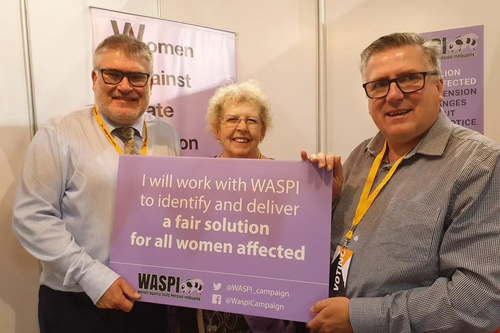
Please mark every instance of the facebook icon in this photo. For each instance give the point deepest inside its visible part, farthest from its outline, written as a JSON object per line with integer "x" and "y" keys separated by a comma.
{"x": 216, "y": 299}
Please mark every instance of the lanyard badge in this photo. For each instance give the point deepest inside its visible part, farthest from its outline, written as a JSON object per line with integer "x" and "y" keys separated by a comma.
{"x": 339, "y": 269}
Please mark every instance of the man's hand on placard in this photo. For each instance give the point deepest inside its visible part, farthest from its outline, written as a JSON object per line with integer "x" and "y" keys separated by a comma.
{"x": 120, "y": 295}
{"x": 332, "y": 316}
{"x": 330, "y": 162}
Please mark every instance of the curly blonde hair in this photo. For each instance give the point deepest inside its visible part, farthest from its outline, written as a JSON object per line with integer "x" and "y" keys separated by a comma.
{"x": 236, "y": 93}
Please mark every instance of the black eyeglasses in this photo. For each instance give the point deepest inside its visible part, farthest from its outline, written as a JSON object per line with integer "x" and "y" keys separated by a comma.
{"x": 407, "y": 83}
{"x": 114, "y": 77}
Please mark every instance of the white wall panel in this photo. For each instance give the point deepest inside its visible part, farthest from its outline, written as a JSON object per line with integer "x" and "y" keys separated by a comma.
{"x": 61, "y": 53}
{"x": 18, "y": 270}
{"x": 61, "y": 40}
{"x": 353, "y": 25}
{"x": 277, "y": 45}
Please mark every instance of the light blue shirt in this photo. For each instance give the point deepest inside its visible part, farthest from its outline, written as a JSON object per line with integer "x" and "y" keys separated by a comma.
{"x": 64, "y": 207}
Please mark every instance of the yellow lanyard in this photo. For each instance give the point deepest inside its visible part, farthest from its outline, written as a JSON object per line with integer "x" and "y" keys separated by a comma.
{"x": 366, "y": 199}
{"x": 112, "y": 140}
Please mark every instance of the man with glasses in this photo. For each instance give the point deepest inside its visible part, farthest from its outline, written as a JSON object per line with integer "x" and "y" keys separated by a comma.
{"x": 63, "y": 214}
{"x": 416, "y": 226}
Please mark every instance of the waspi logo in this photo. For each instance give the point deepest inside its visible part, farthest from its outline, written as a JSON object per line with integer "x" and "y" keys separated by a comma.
{"x": 459, "y": 44}
{"x": 159, "y": 282}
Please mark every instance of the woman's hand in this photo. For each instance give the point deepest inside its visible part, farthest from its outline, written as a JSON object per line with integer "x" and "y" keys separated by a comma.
{"x": 330, "y": 162}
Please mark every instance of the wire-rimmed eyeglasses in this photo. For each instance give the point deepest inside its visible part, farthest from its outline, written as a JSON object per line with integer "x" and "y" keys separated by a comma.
{"x": 233, "y": 121}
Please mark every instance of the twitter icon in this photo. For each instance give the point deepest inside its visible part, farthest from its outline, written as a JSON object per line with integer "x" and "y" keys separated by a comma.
{"x": 217, "y": 286}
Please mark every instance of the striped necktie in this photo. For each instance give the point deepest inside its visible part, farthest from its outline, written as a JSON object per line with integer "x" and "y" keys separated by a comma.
{"x": 126, "y": 134}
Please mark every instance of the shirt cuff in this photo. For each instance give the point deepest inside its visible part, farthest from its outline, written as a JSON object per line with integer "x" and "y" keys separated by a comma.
{"x": 97, "y": 280}
{"x": 365, "y": 315}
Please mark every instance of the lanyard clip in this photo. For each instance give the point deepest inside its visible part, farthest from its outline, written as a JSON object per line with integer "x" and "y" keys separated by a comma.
{"x": 346, "y": 243}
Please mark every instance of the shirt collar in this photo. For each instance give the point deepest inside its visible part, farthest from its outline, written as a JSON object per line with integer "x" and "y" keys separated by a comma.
{"x": 433, "y": 143}
{"x": 138, "y": 125}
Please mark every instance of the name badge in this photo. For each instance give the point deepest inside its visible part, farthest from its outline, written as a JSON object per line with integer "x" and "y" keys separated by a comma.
{"x": 339, "y": 269}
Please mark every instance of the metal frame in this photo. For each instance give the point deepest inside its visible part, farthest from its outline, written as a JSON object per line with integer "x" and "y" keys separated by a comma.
{"x": 321, "y": 125}
{"x": 28, "y": 67}
{"x": 321, "y": 119}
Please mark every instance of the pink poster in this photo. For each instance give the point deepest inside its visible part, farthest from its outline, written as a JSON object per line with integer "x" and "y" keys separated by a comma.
{"x": 236, "y": 235}
{"x": 462, "y": 68}
{"x": 191, "y": 62}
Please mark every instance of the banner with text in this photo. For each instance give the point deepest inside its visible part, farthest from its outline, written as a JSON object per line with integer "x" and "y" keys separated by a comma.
{"x": 191, "y": 62}
{"x": 462, "y": 67}
{"x": 237, "y": 235}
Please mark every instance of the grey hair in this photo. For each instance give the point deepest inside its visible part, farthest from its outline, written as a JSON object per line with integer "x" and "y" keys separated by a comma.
{"x": 430, "y": 49}
{"x": 132, "y": 47}
{"x": 236, "y": 93}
